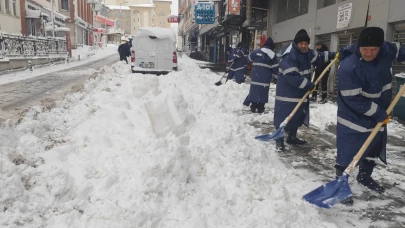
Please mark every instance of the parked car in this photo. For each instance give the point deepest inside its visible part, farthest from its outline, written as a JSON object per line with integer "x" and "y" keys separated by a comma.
{"x": 153, "y": 51}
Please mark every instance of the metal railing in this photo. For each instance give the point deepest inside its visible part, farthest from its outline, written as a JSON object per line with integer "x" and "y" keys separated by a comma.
{"x": 17, "y": 46}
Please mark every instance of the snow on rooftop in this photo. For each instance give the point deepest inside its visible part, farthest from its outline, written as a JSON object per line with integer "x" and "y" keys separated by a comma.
{"x": 117, "y": 7}
{"x": 160, "y": 33}
{"x": 144, "y": 5}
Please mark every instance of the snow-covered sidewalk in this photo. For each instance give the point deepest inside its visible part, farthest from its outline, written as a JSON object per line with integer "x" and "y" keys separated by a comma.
{"x": 85, "y": 58}
{"x": 134, "y": 150}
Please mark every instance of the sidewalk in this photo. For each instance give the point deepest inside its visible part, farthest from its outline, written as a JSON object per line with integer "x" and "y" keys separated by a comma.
{"x": 315, "y": 162}
{"x": 85, "y": 52}
{"x": 318, "y": 156}
{"x": 86, "y": 57}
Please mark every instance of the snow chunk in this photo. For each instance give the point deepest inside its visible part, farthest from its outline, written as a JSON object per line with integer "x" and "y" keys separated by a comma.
{"x": 160, "y": 33}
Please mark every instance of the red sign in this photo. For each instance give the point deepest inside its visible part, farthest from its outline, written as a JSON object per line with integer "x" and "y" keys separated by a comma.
{"x": 173, "y": 19}
{"x": 234, "y": 7}
{"x": 104, "y": 21}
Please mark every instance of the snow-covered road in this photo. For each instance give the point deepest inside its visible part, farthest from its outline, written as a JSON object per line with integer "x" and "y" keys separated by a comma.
{"x": 23, "y": 89}
{"x": 133, "y": 150}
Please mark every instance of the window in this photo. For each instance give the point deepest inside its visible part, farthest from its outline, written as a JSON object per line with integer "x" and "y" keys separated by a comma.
{"x": 325, "y": 3}
{"x": 65, "y": 4}
{"x": 304, "y": 7}
{"x": 14, "y": 8}
{"x": 1, "y": 6}
{"x": 7, "y": 3}
{"x": 288, "y": 9}
{"x": 293, "y": 8}
{"x": 282, "y": 8}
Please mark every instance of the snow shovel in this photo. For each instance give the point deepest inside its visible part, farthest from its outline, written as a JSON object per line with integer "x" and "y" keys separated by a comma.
{"x": 331, "y": 193}
{"x": 218, "y": 83}
{"x": 279, "y": 133}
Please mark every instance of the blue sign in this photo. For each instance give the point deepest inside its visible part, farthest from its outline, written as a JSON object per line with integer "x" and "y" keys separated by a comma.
{"x": 204, "y": 13}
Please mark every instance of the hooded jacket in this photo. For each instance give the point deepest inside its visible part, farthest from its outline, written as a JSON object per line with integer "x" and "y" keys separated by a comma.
{"x": 321, "y": 66}
{"x": 238, "y": 68}
{"x": 293, "y": 81}
{"x": 264, "y": 67}
{"x": 364, "y": 94}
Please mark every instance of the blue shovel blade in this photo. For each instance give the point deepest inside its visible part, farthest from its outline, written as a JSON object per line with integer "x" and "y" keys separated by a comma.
{"x": 331, "y": 193}
{"x": 218, "y": 83}
{"x": 279, "y": 133}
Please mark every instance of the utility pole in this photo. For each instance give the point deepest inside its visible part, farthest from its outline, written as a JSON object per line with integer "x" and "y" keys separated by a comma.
{"x": 53, "y": 19}
{"x": 105, "y": 23}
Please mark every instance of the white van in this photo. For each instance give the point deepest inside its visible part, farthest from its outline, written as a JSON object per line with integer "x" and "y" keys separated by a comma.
{"x": 154, "y": 51}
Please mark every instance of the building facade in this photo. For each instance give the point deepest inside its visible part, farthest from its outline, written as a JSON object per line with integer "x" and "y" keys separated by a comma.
{"x": 235, "y": 21}
{"x": 10, "y": 16}
{"x": 162, "y": 11}
{"x": 142, "y": 15}
{"x": 121, "y": 15}
{"x": 336, "y": 22}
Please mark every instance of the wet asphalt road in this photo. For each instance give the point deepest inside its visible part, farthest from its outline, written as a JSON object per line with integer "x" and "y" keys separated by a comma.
{"x": 20, "y": 95}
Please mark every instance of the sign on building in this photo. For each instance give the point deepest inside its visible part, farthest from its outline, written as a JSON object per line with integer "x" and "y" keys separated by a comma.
{"x": 204, "y": 13}
{"x": 343, "y": 16}
{"x": 173, "y": 19}
{"x": 234, "y": 7}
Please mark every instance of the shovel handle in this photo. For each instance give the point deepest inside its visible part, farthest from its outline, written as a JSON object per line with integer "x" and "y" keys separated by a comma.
{"x": 284, "y": 123}
{"x": 226, "y": 72}
{"x": 313, "y": 76}
{"x": 373, "y": 133}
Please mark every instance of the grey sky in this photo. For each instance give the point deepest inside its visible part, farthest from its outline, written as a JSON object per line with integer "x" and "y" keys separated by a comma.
{"x": 175, "y": 7}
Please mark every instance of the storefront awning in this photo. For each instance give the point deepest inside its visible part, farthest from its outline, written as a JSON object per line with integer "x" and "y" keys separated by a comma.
{"x": 104, "y": 20}
{"x": 32, "y": 13}
{"x": 45, "y": 15}
{"x": 62, "y": 29}
{"x": 99, "y": 30}
{"x": 59, "y": 18}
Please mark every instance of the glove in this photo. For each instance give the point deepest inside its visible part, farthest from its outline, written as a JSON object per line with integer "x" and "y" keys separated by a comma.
{"x": 311, "y": 87}
{"x": 337, "y": 56}
{"x": 312, "y": 90}
{"x": 385, "y": 122}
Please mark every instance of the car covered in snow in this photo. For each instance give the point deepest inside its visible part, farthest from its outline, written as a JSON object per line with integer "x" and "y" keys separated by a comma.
{"x": 154, "y": 51}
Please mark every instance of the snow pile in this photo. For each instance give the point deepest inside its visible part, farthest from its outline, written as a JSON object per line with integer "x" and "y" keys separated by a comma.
{"x": 323, "y": 115}
{"x": 160, "y": 33}
{"x": 135, "y": 150}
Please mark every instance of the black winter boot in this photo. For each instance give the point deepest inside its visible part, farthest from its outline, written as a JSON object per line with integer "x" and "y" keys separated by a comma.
{"x": 260, "y": 107}
{"x": 292, "y": 137}
{"x": 253, "y": 107}
{"x": 324, "y": 98}
{"x": 280, "y": 144}
{"x": 364, "y": 177}
{"x": 339, "y": 172}
{"x": 314, "y": 96}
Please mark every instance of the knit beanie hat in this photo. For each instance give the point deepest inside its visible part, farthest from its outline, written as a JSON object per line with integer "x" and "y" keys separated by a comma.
{"x": 371, "y": 37}
{"x": 301, "y": 35}
{"x": 269, "y": 43}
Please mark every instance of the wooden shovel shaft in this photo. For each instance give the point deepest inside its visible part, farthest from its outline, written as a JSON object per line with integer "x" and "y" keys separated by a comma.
{"x": 373, "y": 133}
{"x": 307, "y": 94}
{"x": 226, "y": 72}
